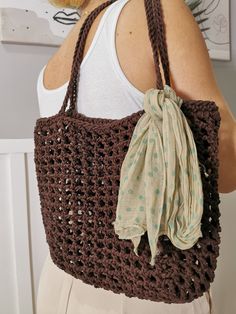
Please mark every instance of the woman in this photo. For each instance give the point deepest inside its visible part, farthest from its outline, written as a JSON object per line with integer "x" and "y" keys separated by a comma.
{"x": 118, "y": 62}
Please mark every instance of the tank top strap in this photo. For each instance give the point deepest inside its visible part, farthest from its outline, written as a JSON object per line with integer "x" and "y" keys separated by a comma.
{"x": 156, "y": 33}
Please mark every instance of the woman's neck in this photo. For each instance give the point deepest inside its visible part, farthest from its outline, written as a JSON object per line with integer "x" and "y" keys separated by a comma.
{"x": 90, "y": 5}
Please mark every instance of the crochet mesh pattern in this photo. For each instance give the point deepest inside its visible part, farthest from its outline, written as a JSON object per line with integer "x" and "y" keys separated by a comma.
{"x": 78, "y": 161}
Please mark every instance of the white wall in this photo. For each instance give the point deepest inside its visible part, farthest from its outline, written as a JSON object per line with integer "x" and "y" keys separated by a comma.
{"x": 19, "y": 68}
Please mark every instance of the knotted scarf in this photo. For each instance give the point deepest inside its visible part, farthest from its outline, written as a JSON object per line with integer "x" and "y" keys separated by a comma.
{"x": 160, "y": 187}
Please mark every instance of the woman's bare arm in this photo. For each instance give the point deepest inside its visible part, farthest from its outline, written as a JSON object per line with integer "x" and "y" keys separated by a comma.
{"x": 192, "y": 77}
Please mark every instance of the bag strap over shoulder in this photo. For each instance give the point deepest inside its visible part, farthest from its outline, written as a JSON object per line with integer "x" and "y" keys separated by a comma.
{"x": 160, "y": 38}
{"x": 156, "y": 33}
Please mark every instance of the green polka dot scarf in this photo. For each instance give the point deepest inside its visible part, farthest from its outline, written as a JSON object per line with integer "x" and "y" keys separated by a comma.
{"x": 160, "y": 182}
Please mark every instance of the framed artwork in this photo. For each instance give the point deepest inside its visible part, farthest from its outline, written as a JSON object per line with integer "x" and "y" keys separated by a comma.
{"x": 213, "y": 17}
{"x": 37, "y": 22}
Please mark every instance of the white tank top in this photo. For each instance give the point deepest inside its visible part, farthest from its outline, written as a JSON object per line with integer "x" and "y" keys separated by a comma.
{"x": 101, "y": 78}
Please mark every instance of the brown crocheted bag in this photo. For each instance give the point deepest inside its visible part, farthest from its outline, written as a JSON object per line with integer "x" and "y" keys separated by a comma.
{"x": 78, "y": 161}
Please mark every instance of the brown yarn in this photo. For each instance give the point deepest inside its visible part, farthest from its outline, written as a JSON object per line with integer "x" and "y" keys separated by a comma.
{"x": 78, "y": 161}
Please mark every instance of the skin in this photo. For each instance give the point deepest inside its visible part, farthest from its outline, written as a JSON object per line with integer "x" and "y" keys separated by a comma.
{"x": 191, "y": 71}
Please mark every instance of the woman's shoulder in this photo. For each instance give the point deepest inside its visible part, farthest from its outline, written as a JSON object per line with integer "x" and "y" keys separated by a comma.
{"x": 132, "y": 42}
{"x": 184, "y": 42}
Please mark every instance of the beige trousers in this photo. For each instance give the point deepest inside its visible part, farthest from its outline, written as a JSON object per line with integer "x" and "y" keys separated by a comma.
{"x": 60, "y": 293}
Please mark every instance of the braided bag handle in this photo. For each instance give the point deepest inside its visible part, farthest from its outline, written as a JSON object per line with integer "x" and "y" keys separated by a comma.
{"x": 156, "y": 33}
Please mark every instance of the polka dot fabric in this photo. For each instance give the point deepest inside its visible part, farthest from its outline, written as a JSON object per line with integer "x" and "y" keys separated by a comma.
{"x": 161, "y": 189}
